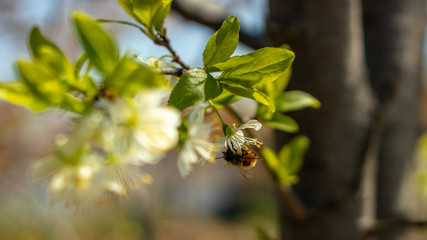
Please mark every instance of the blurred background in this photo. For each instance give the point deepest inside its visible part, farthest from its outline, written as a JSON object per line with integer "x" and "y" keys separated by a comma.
{"x": 363, "y": 59}
{"x": 213, "y": 202}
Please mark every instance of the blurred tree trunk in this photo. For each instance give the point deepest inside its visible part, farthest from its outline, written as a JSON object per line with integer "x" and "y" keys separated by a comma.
{"x": 358, "y": 58}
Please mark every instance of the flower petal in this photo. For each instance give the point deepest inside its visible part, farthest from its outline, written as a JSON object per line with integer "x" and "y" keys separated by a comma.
{"x": 251, "y": 124}
{"x": 186, "y": 158}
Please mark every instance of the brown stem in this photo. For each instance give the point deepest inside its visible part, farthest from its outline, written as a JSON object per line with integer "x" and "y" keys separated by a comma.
{"x": 290, "y": 198}
{"x": 162, "y": 40}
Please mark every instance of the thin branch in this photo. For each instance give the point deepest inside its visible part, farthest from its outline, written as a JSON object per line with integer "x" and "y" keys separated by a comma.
{"x": 159, "y": 39}
{"x": 290, "y": 198}
{"x": 392, "y": 225}
{"x": 125, "y": 23}
{"x": 171, "y": 71}
{"x": 162, "y": 40}
{"x": 255, "y": 42}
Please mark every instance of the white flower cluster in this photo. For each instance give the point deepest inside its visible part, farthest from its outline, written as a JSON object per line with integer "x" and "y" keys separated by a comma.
{"x": 104, "y": 155}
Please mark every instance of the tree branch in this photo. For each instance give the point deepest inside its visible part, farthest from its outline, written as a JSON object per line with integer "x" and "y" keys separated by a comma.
{"x": 246, "y": 38}
{"x": 171, "y": 71}
{"x": 391, "y": 225}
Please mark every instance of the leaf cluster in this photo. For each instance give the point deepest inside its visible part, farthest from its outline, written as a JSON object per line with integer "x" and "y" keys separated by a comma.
{"x": 52, "y": 81}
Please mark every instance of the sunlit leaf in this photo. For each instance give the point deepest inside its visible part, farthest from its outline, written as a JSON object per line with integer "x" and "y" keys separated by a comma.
{"x": 282, "y": 122}
{"x": 296, "y": 100}
{"x": 223, "y": 43}
{"x": 292, "y": 154}
{"x": 251, "y": 93}
{"x": 150, "y": 13}
{"x": 129, "y": 77}
{"x": 18, "y": 93}
{"x": 224, "y": 99}
{"x": 97, "y": 43}
{"x": 42, "y": 84}
{"x": 194, "y": 86}
{"x": 266, "y": 64}
{"x": 51, "y": 57}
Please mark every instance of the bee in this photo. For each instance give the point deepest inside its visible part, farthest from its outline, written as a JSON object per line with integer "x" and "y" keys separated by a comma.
{"x": 246, "y": 160}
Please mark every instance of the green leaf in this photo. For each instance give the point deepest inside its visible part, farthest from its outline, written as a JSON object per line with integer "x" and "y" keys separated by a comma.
{"x": 281, "y": 83}
{"x": 194, "y": 86}
{"x": 46, "y": 90}
{"x": 212, "y": 88}
{"x": 267, "y": 64}
{"x": 74, "y": 104}
{"x": 51, "y": 57}
{"x": 160, "y": 15}
{"x": 292, "y": 154}
{"x": 18, "y": 93}
{"x": 283, "y": 123}
{"x": 150, "y": 13}
{"x": 230, "y": 64}
{"x": 223, "y": 43}
{"x": 37, "y": 41}
{"x": 128, "y": 6}
{"x": 41, "y": 84}
{"x": 270, "y": 158}
{"x": 285, "y": 166}
{"x": 296, "y": 100}
{"x": 98, "y": 45}
{"x": 224, "y": 99}
{"x": 129, "y": 77}
{"x": 249, "y": 92}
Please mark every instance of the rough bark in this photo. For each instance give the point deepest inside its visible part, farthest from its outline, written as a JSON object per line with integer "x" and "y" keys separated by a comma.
{"x": 330, "y": 39}
{"x": 394, "y": 34}
{"x": 328, "y": 42}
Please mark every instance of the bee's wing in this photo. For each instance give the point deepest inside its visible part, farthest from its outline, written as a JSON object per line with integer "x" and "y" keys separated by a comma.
{"x": 245, "y": 173}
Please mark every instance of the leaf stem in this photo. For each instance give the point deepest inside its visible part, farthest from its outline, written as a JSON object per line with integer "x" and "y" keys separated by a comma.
{"x": 286, "y": 191}
{"x": 224, "y": 125}
{"x": 143, "y": 30}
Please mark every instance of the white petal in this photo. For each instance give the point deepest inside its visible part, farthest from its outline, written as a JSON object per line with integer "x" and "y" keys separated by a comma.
{"x": 186, "y": 158}
{"x": 251, "y": 124}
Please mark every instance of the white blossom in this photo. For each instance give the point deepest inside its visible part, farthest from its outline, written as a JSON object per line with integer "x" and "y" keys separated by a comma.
{"x": 161, "y": 63}
{"x": 236, "y": 140}
{"x": 67, "y": 181}
{"x": 197, "y": 145}
{"x": 149, "y": 127}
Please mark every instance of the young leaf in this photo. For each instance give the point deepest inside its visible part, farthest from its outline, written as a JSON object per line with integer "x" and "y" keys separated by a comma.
{"x": 223, "y": 43}
{"x": 150, "y": 13}
{"x": 266, "y": 65}
{"x": 296, "y": 100}
{"x": 98, "y": 45}
{"x": 270, "y": 158}
{"x": 41, "y": 84}
{"x": 277, "y": 169}
{"x": 292, "y": 154}
{"x": 282, "y": 82}
{"x": 194, "y": 86}
{"x": 283, "y": 123}
{"x": 128, "y": 6}
{"x": 18, "y": 93}
{"x": 249, "y": 92}
{"x": 288, "y": 162}
{"x": 129, "y": 77}
{"x": 51, "y": 57}
{"x": 224, "y": 99}
{"x": 160, "y": 15}
{"x": 37, "y": 41}
{"x": 212, "y": 88}
{"x": 230, "y": 64}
